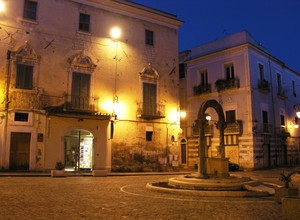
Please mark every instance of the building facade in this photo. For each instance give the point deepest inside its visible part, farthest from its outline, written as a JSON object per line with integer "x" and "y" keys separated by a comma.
{"x": 72, "y": 92}
{"x": 259, "y": 95}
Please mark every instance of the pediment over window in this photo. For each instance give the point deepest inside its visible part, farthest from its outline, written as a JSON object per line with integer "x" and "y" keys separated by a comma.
{"x": 81, "y": 61}
{"x": 149, "y": 72}
{"x": 27, "y": 54}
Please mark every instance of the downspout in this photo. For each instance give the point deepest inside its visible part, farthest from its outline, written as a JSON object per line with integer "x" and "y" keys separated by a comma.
{"x": 8, "y": 56}
{"x": 274, "y": 119}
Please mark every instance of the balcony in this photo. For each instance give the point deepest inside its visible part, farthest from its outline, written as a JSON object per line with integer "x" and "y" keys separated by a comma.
{"x": 234, "y": 127}
{"x": 69, "y": 103}
{"x": 263, "y": 85}
{"x": 150, "y": 111}
{"x": 24, "y": 99}
{"x": 281, "y": 93}
{"x": 202, "y": 89}
{"x": 224, "y": 84}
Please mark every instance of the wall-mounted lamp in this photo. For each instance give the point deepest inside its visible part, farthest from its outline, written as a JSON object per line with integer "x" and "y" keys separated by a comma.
{"x": 296, "y": 124}
{"x": 115, "y": 33}
{"x": 182, "y": 114}
{"x": 296, "y": 107}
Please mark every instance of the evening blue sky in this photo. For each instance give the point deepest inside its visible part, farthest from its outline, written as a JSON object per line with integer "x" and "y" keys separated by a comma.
{"x": 273, "y": 23}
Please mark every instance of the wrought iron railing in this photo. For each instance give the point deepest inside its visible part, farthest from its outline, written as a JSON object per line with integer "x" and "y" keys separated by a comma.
{"x": 264, "y": 85}
{"x": 202, "y": 89}
{"x": 234, "y": 127}
{"x": 223, "y": 84}
{"x": 71, "y": 103}
{"x": 149, "y": 110}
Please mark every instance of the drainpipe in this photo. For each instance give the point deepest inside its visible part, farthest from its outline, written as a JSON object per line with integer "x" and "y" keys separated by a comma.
{"x": 8, "y": 56}
{"x": 274, "y": 118}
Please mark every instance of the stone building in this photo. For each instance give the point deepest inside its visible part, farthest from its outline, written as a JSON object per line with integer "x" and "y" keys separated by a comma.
{"x": 71, "y": 91}
{"x": 259, "y": 95}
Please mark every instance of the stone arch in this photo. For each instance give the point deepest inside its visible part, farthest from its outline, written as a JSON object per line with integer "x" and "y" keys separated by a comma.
{"x": 221, "y": 125}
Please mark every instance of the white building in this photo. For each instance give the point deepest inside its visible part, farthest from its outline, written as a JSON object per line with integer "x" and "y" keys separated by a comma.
{"x": 259, "y": 95}
{"x": 71, "y": 93}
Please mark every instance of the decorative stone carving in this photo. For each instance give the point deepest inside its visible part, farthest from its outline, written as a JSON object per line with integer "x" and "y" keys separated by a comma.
{"x": 27, "y": 54}
{"x": 81, "y": 62}
{"x": 149, "y": 72}
{"x": 24, "y": 100}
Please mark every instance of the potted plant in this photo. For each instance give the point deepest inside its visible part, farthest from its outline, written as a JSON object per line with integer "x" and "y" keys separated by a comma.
{"x": 59, "y": 170}
{"x": 286, "y": 190}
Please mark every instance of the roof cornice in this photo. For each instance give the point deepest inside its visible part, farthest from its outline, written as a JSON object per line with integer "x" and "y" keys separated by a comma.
{"x": 133, "y": 9}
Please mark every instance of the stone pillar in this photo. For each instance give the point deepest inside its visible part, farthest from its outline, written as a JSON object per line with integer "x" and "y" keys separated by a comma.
{"x": 102, "y": 152}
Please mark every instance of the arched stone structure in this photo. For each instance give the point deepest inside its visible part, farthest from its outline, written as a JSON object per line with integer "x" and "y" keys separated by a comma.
{"x": 204, "y": 161}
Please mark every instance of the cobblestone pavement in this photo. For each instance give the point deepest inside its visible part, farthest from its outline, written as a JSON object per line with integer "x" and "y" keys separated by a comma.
{"x": 123, "y": 197}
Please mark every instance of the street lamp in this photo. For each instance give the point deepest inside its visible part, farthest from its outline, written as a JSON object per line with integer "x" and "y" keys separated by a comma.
{"x": 2, "y": 6}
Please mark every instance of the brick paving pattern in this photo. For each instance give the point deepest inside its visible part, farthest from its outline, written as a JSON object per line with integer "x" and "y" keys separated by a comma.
{"x": 120, "y": 197}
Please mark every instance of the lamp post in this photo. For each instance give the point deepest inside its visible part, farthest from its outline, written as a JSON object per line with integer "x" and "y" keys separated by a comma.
{"x": 2, "y": 6}
{"x": 115, "y": 34}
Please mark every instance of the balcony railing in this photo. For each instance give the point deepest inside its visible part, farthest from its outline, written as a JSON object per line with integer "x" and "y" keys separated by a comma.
{"x": 281, "y": 93}
{"x": 150, "y": 111}
{"x": 224, "y": 84}
{"x": 264, "y": 85}
{"x": 202, "y": 89}
{"x": 71, "y": 103}
{"x": 234, "y": 127}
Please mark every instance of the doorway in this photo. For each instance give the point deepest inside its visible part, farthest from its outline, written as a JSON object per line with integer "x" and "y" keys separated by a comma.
{"x": 19, "y": 151}
{"x": 79, "y": 150}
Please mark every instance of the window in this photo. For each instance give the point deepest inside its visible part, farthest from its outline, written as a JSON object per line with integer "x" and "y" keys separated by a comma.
{"x": 282, "y": 121}
{"x": 294, "y": 88}
{"x": 84, "y": 22}
{"x": 149, "y": 37}
{"x": 279, "y": 83}
{"x": 149, "y": 99}
{"x": 229, "y": 70}
{"x": 21, "y": 116}
{"x": 265, "y": 121}
{"x": 261, "y": 72}
{"x": 204, "y": 78}
{"x": 230, "y": 116}
{"x": 80, "y": 91}
{"x": 149, "y": 135}
{"x": 30, "y": 10}
{"x": 182, "y": 68}
{"x": 24, "y": 76}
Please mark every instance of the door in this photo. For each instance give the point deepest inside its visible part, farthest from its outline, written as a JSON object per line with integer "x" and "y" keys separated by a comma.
{"x": 78, "y": 150}
{"x": 19, "y": 151}
{"x": 183, "y": 151}
{"x": 149, "y": 99}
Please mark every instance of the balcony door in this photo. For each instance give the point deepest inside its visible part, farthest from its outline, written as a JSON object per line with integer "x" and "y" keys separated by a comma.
{"x": 80, "y": 91}
{"x": 149, "y": 99}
